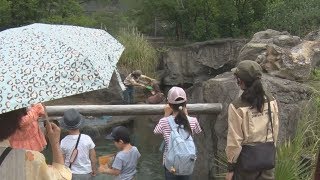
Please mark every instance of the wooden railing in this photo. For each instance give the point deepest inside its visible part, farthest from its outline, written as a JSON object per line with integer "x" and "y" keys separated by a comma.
{"x": 136, "y": 109}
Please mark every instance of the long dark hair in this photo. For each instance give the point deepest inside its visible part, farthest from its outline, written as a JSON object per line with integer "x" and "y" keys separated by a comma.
{"x": 181, "y": 118}
{"x": 10, "y": 122}
{"x": 254, "y": 94}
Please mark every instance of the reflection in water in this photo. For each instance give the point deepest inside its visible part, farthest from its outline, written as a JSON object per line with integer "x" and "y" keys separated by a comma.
{"x": 150, "y": 164}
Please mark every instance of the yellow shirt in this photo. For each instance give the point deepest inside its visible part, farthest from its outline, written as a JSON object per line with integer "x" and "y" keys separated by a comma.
{"x": 248, "y": 126}
{"x": 30, "y": 165}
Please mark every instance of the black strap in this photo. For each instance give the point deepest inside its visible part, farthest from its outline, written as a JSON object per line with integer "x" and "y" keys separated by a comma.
{"x": 4, "y": 154}
{"x": 270, "y": 120}
{"x": 75, "y": 148}
{"x": 78, "y": 141}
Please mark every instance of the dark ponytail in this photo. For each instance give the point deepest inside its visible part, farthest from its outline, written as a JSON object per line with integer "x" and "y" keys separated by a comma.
{"x": 254, "y": 94}
{"x": 181, "y": 119}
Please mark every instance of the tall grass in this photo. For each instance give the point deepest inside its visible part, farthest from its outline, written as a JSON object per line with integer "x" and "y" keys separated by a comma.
{"x": 315, "y": 75}
{"x": 138, "y": 53}
{"x": 296, "y": 157}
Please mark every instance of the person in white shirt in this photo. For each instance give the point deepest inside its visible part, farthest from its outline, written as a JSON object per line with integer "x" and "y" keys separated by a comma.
{"x": 78, "y": 149}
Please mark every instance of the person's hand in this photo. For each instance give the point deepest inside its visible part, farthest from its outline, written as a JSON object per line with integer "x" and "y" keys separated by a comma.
{"x": 167, "y": 110}
{"x": 53, "y": 133}
{"x": 229, "y": 176}
{"x": 93, "y": 173}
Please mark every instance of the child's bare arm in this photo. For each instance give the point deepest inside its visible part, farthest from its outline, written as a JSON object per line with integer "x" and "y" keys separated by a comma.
{"x": 112, "y": 171}
{"x": 93, "y": 159}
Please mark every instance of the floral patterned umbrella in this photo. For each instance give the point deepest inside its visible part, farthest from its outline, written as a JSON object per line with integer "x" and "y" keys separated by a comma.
{"x": 42, "y": 62}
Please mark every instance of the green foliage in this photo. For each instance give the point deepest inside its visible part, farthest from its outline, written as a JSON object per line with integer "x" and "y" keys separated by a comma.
{"x": 315, "y": 74}
{"x": 23, "y": 12}
{"x": 138, "y": 53}
{"x": 298, "y": 17}
{"x": 5, "y": 13}
{"x": 80, "y": 20}
{"x": 182, "y": 19}
{"x": 204, "y": 19}
{"x": 112, "y": 22}
{"x": 17, "y": 12}
{"x": 296, "y": 158}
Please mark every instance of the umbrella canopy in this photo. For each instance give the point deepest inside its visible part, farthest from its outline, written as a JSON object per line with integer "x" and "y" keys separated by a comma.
{"x": 42, "y": 62}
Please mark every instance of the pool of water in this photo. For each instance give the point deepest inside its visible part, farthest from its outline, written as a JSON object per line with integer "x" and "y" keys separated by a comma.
{"x": 150, "y": 164}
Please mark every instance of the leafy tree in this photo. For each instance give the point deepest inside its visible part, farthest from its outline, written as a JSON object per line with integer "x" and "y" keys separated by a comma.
{"x": 205, "y": 19}
{"x": 227, "y": 18}
{"x": 5, "y": 12}
{"x": 24, "y": 12}
{"x": 190, "y": 19}
{"x": 18, "y": 13}
{"x": 295, "y": 16}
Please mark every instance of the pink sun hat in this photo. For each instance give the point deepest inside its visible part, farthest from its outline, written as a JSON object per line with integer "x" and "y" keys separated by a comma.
{"x": 175, "y": 93}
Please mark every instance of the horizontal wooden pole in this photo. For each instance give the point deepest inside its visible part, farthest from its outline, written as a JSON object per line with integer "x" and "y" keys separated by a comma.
{"x": 136, "y": 109}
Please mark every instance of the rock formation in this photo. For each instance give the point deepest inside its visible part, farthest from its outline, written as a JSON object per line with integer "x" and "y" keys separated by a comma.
{"x": 198, "y": 62}
{"x": 313, "y": 36}
{"x": 282, "y": 54}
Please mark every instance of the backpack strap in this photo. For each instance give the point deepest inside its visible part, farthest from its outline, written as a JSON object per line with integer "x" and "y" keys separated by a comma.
{"x": 5, "y": 154}
{"x": 171, "y": 122}
{"x": 270, "y": 120}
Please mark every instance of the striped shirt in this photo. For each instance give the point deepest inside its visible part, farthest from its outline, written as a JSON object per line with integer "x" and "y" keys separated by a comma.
{"x": 163, "y": 127}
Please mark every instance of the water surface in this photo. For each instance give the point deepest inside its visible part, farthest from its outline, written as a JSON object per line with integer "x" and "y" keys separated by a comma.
{"x": 150, "y": 164}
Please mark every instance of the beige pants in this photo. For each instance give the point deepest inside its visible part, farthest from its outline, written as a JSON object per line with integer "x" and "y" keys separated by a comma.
{"x": 263, "y": 175}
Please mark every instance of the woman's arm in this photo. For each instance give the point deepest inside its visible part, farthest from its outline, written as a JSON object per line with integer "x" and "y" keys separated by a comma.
{"x": 234, "y": 137}
{"x": 53, "y": 133}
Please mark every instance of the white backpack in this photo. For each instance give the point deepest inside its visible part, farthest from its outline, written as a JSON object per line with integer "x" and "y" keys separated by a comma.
{"x": 181, "y": 154}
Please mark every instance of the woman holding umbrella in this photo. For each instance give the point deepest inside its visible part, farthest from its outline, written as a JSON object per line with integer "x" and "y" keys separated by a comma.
{"x": 19, "y": 164}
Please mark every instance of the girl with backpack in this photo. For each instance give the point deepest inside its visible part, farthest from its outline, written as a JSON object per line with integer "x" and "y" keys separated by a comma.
{"x": 178, "y": 157}
{"x": 253, "y": 126}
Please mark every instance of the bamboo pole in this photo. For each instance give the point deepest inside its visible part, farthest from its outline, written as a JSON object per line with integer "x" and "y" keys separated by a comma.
{"x": 136, "y": 109}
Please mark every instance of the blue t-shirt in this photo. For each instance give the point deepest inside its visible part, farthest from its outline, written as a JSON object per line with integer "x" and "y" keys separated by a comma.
{"x": 126, "y": 162}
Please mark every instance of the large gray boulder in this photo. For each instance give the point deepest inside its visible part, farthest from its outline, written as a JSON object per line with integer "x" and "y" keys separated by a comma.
{"x": 282, "y": 54}
{"x": 313, "y": 36}
{"x": 291, "y": 97}
{"x": 199, "y": 61}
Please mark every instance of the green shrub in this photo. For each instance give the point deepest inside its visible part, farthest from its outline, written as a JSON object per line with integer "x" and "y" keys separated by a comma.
{"x": 138, "y": 53}
{"x": 315, "y": 74}
{"x": 296, "y": 157}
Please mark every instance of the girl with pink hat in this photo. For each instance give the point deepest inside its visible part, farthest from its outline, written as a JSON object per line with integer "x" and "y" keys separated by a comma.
{"x": 176, "y": 115}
